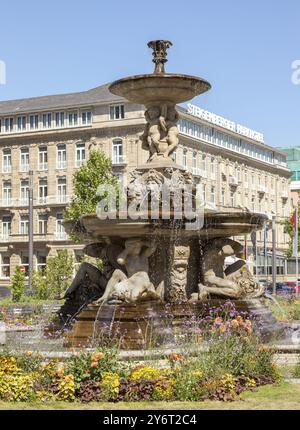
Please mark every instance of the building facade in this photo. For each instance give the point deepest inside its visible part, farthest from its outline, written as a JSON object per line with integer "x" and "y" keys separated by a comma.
{"x": 52, "y": 136}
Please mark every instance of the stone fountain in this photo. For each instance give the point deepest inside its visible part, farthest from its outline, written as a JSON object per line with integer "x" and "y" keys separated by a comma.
{"x": 162, "y": 248}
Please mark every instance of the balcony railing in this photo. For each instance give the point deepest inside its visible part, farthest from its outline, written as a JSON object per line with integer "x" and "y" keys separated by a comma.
{"x": 43, "y": 166}
{"x": 49, "y": 200}
{"x": 6, "y": 168}
{"x": 4, "y": 237}
{"x": 60, "y": 235}
{"x": 61, "y": 165}
{"x": 24, "y": 168}
{"x": 79, "y": 163}
{"x": 119, "y": 160}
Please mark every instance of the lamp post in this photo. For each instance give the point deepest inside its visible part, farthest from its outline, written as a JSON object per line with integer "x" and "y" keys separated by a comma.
{"x": 274, "y": 268}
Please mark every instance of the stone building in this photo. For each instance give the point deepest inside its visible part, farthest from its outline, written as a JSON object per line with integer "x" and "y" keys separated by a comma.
{"x": 52, "y": 136}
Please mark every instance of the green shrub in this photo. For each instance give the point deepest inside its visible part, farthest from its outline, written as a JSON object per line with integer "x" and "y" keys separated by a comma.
{"x": 18, "y": 285}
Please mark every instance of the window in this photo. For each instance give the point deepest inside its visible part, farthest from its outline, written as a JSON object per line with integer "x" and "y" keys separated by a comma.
{"x": 61, "y": 157}
{"x": 6, "y": 160}
{"x": 232, "y": 198}
{"x": 6, "y": 227}
{"x": 80, "y": 154}
{"x": 117, "y": 151}
{"x": 194, "y": 163}
{"x": 42, "y": 223}
{"x": 213, "y": 168}
{"x": 24, "y": 160}
{"x": 25, "y": 263}
{"x": 223, "y": 197}
{"x": 239, "y": 174}
{"x": 9, "y": 125}
{"x": 43, "y": 158}
{"x": 5, "y": 266}
{"x": 86, "y": 118}
{"x": 73, "y": 119}
{"x": 24, "y": 192}
{"x": 47, "y": 120}
{"x": 213, "y": 195}
{"x": 184, "y": 158}
{"x": 59, "y": 119}
{"x": 203, "y": 163}
{"x": 60, "y": 230}
{"x": 34, "y": 122}
{"x": 62, "y": 190}
{"x": 174, "y": 156}
{"x": 41, "y": 262}
{"x": 21, "y": 123}
{"x": 117, "y": 112}
{"x": 24, "y": 225}
{"x": 7, "y": 201}
{"x": 43, "y": 191}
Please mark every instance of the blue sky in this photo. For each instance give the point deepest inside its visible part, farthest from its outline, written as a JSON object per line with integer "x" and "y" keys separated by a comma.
{"x": 244, "y": 48}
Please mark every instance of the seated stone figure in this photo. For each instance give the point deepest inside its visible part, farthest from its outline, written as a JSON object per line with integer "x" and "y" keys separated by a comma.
{"x": 134, "y": 285}
{"x": 236, "y": 281}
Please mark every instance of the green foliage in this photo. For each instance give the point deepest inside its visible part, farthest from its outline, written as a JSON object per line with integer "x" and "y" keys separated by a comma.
{"x": 288, "y": 229}
{"x": 96, "y": 171}
{"x": 51, "y": 282}
{"x": 18, "y": 285}
{"x": 39, "y": 285}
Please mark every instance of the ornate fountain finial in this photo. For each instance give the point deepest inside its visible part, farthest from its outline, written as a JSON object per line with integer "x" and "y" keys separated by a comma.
{"x": 159, "y": 54}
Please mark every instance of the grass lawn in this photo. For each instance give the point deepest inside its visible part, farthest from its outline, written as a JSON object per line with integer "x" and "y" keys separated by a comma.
{"x": 281, "y": 396}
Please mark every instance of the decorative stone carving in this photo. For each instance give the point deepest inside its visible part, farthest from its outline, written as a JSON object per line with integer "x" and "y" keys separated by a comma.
{"x": 236, "y": 281}
{"x": 134, "y": 285}
{"x": 177, "y": 285}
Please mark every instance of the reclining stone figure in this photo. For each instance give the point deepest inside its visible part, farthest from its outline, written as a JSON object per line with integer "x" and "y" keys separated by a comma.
{"x": 236, "y": 281}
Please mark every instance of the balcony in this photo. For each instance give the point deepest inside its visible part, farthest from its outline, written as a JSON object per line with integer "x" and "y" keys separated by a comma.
{"x": 233, "y": 181}
{"x": 6, "y": 203}
{"x": 6, "y": 169}
{"x": 60, "y": 199}
{"x": 61, "y": 165}
{"x": 24, "y": 168}
{"x": 120, "y": 160}
{"x": 79, "y": 163}
{"x": 4, "y": 238}
{"x": 43, "y": 166}
{"x": 60, "y": 235}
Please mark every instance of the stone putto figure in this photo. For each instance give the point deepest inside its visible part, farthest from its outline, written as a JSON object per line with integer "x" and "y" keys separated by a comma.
{"x": 160, "y": 136}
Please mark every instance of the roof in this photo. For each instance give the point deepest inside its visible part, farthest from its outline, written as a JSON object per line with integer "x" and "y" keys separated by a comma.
{"x": 95, "y": 95}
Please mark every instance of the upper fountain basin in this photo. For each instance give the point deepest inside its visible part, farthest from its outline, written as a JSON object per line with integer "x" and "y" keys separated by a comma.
{"x": 154, "y": 89}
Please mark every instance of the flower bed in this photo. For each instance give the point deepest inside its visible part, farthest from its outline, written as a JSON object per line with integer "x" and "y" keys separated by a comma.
{"x": 235, "y": 361}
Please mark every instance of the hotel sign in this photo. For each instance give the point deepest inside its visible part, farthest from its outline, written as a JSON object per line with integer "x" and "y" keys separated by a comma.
{"x": 225, "y": 123}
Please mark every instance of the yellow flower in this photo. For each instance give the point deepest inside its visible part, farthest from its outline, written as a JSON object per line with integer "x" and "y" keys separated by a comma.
{"x": 28, "y": 353}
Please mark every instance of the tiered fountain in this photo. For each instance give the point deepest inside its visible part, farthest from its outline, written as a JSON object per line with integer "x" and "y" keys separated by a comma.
{"x": 159, "y": 258}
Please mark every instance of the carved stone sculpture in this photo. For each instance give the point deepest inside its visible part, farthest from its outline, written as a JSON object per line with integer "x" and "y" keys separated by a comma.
{"x": 134, "y": 285}
{"x": 236, "y": 281}
{"x": 177, "y": 286}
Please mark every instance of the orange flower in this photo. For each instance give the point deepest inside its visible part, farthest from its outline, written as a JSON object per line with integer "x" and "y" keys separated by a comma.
{"x": 98, "y": 356}
{"x": 176, "y": 357}
{"x": 234, "y": 323}
{"x": 222, "y": 328}
{"x": 218, "y": 320}
{"x": 240, "y": 320}
{"x": 94, "y": 364}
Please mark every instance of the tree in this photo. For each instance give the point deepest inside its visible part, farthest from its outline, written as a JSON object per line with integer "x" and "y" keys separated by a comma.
{"x": 96, "y": 171}
{"x": 59, "y": 272}
{"x": 18, "y": 285}
{"x": 289, "y": 229}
